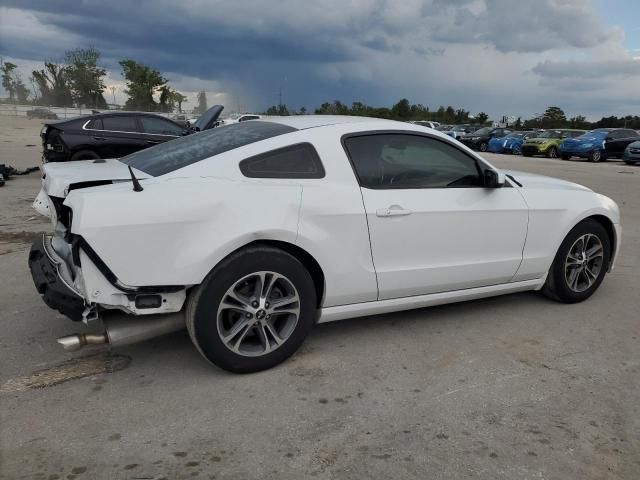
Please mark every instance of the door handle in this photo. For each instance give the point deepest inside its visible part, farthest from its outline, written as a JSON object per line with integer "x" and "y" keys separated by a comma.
{"x": 392, "y": 211}
{"x": 152, "y": 142}
{"x": 99, "y": 138}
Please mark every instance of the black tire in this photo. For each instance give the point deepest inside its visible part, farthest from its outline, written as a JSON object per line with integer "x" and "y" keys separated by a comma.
{"x": 84, "y": 155}
{"x": 596, "y": 156}
{"x": 204, "y": 301}
{"x": 566, "y": 157}
{"x": 483, "y": 146}
{"x": 552, "y": 152}
{"x": 557, "y": 286}
{"x": 527, "y": 154}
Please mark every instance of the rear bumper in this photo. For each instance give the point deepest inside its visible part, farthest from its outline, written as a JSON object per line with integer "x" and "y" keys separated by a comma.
{"x": 56, "y": 293}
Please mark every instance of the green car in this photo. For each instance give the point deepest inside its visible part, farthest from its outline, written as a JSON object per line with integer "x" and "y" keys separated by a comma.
{"x": 547, "y": 142}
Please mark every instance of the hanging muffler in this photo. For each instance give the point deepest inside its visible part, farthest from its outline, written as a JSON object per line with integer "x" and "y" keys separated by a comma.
{"x": 123, "y": 329}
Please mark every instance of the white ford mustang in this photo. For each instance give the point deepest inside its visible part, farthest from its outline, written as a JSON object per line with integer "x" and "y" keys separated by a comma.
{"x": 251, "y": 233}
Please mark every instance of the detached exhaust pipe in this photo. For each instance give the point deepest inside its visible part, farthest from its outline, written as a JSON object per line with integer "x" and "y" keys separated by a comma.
{"x": 123, "y": 329}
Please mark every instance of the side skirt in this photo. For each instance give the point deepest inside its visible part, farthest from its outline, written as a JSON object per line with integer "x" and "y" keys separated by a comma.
{"x": 331, "y": 314}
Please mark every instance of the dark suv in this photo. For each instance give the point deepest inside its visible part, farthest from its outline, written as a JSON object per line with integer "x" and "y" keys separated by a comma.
{"x": 114, "y": 134}
{"x": 479, "y": 140}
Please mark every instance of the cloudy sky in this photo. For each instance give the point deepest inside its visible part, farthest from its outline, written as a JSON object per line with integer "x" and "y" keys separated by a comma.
{"x": 504, "y": 57}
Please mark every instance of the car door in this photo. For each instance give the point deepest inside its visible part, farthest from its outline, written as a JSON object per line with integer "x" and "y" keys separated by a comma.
{"x": 433, "y": 226}
{"x": 120, "y": 136}
{"x": 159, "y": 130}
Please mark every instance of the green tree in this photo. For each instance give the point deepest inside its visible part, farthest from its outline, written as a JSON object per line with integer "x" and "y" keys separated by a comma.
{"x": 179, "y": 99}
{"x": 579, "y": 121}
{"x": 401, "y": 110}
{"x": 12, "y": 83}
{"x": 142, "y": 82}
{"x": 202, "y": 103}
{"x": 482, "y": 118}
{"x": 554, "y": 117}
{"x": 53, "y": 85}
{"x": 85, "y": 77}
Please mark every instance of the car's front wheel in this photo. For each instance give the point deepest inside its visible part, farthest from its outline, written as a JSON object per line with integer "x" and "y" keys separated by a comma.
{"x": 552, "y": 152}
{"x": 253, "y": 311}
{"x": 483, "y": 146}
{"x": 580, "y": 263}
{"x": 596, "y": 156}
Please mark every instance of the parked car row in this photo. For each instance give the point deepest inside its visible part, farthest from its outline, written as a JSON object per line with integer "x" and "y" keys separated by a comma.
{"x": 595, "y": 145}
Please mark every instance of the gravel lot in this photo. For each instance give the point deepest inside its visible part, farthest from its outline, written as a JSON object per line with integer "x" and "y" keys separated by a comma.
{"x": 514, "y": 387}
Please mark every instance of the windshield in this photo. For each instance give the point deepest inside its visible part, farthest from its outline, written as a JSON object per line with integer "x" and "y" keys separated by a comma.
{"x": 483, "y": 131}
{"x": 516, "y": 135}
{"x": 550, "y": 134}
{"x": 179, "y": 153}
{"x": 459, "y": 128}
{"x": 595, "y": 134}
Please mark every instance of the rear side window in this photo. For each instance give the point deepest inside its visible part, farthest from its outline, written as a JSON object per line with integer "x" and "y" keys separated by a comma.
{"x": 120, "y": 124}
{"x": 160, "y": 126}
{"x": 94, "y": 124}
{"x": 170, "y": 156}
{"x": 295, "y": 161}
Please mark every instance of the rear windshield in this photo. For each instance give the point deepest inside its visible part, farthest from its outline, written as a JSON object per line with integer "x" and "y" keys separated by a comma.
{"x": 175, "y": 154}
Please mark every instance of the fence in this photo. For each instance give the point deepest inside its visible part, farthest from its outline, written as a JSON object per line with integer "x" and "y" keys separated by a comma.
{"x": 61, "y": 112}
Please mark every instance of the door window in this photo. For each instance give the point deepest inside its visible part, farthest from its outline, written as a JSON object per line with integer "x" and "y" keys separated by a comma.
{"x": 120, "y": 124}
{"x": 160, "y": 126}
{"x": 387, "y": 161}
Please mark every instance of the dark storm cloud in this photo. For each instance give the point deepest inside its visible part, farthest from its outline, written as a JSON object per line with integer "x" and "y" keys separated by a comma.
{"x": 370, "y": 50}
{"x": 589, "y": 69}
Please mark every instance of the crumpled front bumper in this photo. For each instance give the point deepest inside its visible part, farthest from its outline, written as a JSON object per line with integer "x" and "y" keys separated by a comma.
{"x": 45, "y": 266}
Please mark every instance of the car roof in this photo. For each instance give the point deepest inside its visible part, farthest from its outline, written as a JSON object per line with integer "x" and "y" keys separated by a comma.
{"x": 302, "y": 122}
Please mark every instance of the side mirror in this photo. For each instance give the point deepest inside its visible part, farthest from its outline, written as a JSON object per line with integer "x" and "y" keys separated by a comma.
{"x": 493, "y": 179}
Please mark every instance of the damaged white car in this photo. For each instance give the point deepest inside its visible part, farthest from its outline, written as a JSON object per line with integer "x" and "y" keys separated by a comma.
{"x": 251, "y": 233}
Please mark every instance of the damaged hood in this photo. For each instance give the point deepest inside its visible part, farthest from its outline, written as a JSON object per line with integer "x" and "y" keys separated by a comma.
{"x": 58, "y": 177}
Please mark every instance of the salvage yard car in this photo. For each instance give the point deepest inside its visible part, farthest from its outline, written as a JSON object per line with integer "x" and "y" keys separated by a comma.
{"x": 114, "y": 134}
{"x": 599, "y": 144}
{"x": 548, "y": 142}
{"x": 512, "y": 143}
{"x": 479, "y": 139}
{"x": 251, "y": 233}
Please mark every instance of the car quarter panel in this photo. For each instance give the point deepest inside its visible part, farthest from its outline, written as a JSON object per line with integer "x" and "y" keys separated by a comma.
{"x": 175, "y": 231}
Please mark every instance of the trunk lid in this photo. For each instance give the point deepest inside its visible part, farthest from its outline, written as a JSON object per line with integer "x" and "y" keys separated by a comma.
{"x": 59, "y": 178}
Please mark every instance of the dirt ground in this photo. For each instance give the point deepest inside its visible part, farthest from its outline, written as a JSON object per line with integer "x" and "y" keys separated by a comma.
{"x": 514, "y": 387}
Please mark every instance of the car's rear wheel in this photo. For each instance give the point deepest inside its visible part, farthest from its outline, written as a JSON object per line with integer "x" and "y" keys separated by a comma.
{"x": 84, "y": 155}
{"x": 253, "y": 311}
{"x": 596, "y": 156}
{"x": 552, "y": 152}
{"x": 483, "y": 146}
{"x": 516, "y": 150}
{"x": 580, "y": 263}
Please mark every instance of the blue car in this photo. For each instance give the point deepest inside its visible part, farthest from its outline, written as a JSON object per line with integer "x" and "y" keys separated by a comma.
{"x": 598, "y": 144}
{"x": 512, "y": 143}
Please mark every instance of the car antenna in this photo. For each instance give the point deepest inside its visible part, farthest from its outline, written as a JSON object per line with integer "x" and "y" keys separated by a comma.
{"x": 136, "y": 184}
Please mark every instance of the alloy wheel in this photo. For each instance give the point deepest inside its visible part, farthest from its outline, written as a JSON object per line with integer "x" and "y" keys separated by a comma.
{"x": 553, "y": 152}
{"x": 584, "y": 262}
{"x": 258, "y": 313}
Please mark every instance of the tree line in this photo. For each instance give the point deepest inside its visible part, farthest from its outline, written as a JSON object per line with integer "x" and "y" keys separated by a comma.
{"x": 78, "y": 80}
{"x": 404, "y": 110}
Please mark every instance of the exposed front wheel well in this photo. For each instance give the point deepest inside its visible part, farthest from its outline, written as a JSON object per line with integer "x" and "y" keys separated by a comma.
{"x": 611, "y": 231}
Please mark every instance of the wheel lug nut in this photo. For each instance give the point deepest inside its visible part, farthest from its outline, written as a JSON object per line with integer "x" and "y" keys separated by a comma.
{"x": 268, "y": 317}
{"x": 266, "y": 304}
{"x": 248, "y": 315}
{"x": 254, "y": 304}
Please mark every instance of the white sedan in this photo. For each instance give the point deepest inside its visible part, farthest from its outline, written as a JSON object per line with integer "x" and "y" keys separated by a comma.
{"x": 251, "y": 233}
